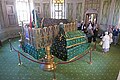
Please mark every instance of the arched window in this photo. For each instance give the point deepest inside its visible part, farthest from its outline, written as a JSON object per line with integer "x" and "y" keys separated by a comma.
{"x": 58, "y": 9}
{"x": 23, "y": 10}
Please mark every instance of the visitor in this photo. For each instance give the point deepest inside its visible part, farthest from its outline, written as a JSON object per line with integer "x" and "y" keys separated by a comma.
{"x": 89, "y": 33}
{"x": 115, "y": 35}
{"x": 109, "y": 29}
{"x": 42, "y": 23}
{"x": 95, "y": 31}
{"x": 106, "y": 42}
{"x": 79, "y": 25}
{"x": 82, "y": 26}
{"x": 111, "y": 37}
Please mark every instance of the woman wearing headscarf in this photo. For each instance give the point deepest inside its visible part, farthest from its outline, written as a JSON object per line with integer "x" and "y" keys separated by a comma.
{"x": 106, "y": 42}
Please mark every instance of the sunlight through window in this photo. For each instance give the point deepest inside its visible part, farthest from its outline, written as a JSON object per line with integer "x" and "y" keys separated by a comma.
{"x": 58, "y": 9}
{"x": 23, "y": 10}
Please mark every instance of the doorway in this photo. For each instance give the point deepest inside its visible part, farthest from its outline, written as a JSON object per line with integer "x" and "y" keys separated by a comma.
{"x": 91, "y": 15}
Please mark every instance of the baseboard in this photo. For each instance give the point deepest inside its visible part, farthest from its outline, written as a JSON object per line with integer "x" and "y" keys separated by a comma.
{"x": 9, "y": 37}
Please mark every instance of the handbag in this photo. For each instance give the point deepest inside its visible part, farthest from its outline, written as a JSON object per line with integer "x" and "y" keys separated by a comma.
{"x": 101, "y": 42}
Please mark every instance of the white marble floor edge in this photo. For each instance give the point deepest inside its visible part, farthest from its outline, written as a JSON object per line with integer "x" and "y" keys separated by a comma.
{"x": 118, "y": 78}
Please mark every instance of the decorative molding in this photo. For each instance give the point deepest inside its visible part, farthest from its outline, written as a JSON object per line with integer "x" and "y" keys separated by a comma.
{"x": 9, "y": 2}
{"x": 37, "y": 4}
{"x": 9, "y": 33}
{"x": 92, "y": 4}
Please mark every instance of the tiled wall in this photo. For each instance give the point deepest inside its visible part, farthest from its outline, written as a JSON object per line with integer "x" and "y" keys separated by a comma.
{"x": 108, "y": 13}
{"x": 116, "y": 14}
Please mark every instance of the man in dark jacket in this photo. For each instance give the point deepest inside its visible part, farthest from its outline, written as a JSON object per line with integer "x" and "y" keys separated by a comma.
{"x": 115, "y": 35}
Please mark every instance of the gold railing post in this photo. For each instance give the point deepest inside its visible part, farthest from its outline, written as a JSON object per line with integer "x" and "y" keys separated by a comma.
{"x": 49, "y": 60}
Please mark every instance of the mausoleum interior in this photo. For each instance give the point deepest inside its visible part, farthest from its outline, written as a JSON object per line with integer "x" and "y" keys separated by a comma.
{"x": 59, "y": 39}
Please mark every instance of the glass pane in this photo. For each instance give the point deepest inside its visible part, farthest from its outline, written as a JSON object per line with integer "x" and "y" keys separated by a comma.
{"x": 60, "y": 7}
{"x": 56, "y": 13}
{"x": 56, "y": 17}
{"x": 58, "y": 10}
{"x": 60, "y": 17}
{"x": 60, "y": 13}
{"x": 22, "y": 10}
{"x": 56, "y": 7}
{"x": 55, "y": 4}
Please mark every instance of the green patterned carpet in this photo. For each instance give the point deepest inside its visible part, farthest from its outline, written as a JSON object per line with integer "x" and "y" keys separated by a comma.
{"x": 104, "y": 66}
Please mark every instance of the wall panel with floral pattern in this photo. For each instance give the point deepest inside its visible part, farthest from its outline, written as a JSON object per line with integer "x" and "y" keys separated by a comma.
{"x": 46, "y": 10}
{"x": 69, "y": 11}
{"x": 116, "y": 13}
{"x": 78, "y": 11}
{"x": 105, "y": 11}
